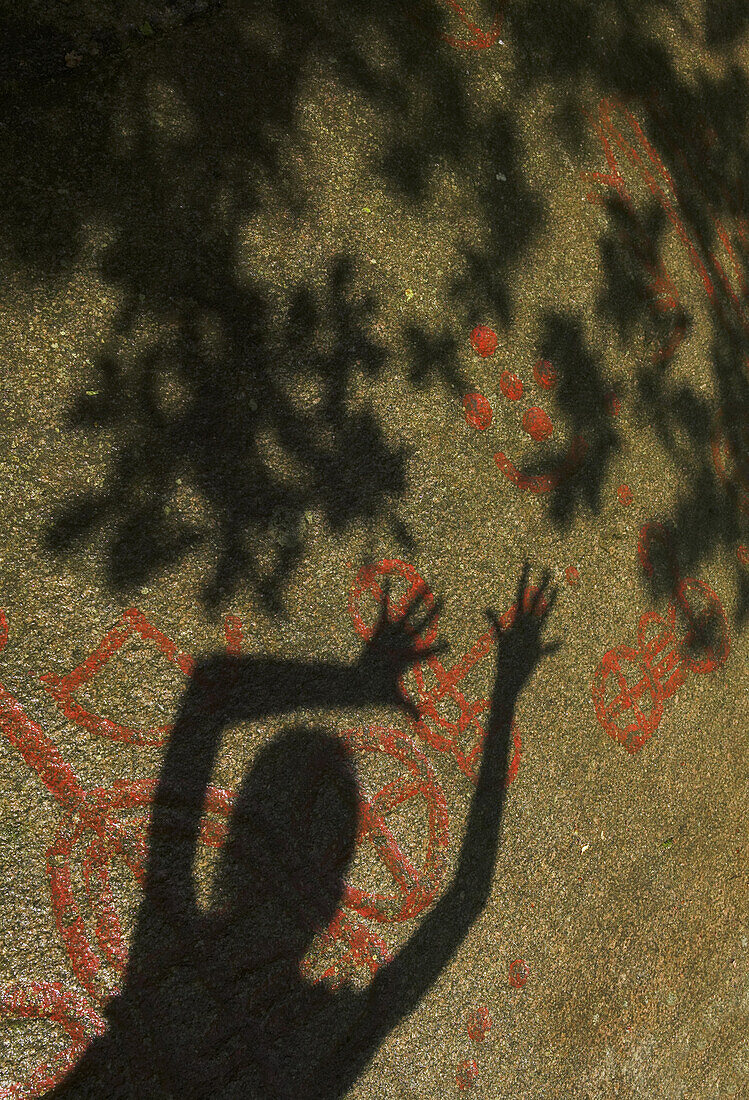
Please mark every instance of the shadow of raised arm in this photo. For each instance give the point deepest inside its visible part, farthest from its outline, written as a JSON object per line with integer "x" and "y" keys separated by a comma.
{"x": 226, "y": 690}
{"x": 398, "y": 987}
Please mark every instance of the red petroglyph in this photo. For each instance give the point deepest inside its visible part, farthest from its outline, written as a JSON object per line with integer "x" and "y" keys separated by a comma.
{"x": 461, "y": 735}
{"x": 625, "y": 494}
{"x": 612, "y": 403}
{"x": 415, "y": 887}
{"x": 466, "y": 1074}
{"x": 743, "y": 554}
{"x": 537, "y": 424}
{"x": 518, "y": 974}
{"x": 63, "y": 688}
{"x": 627, "y": 145}
{"x": 510, "y": 385}
{"x": 632, "y": 683}
{"x": 572, "y": 576}
{"x": 100, "y": 826}
{"x": 544, "y": 483}
{"x": 353, "y": 945}
{"x": 478, "y": 411}
{"x": 71, "y": 1013}
{"x": 545, "y": 374}
{"x": 479, "y": 1023}
{"x": 730, "y": 451}
{"x": 477, "y": 38}
{"x": 484, "y": 341}
{"x": 368, "y": 587}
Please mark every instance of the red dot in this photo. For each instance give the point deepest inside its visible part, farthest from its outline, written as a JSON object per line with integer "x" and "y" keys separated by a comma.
{"x": 519, "y": 972}
{"x": 625, "y": 494}
{"x": 743, "y": 555}
{"x": 479, "y": 1022}
{"x": 510, "y": 385}
{"x": 466, "y": 1074}
{"x": 537, "y": 424}
{"x": 545, "y": 375}
{"x": 612, "y": 403}
{"x": 484, "y": 341}
{"x": 478, "y": 411}
{"x": 572, "y": 575}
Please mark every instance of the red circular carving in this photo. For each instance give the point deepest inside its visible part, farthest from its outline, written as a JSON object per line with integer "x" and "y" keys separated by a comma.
{"x": 510, "y": 385}
{"x": 466, "y": 1074}
{"x": 99, "y": 971}
{"x": 537, "y": 424}
{"x": 519, "y": 972}
{"x": 478, "y": 411}
{"x": 479, "y": 1022}
{"x": 367, "y": 583}
{"x": 545, "y": 374}
{"x": 572, "y": 575}
{"x": 484, "y": 341}
{"x": 415, "y": 888}
{"x": 625, "y": 495}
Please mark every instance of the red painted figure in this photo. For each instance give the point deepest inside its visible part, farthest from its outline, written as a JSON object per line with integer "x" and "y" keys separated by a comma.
{"x": 213, "y": 1001}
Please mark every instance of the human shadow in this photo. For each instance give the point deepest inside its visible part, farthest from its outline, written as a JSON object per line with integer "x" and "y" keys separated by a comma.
{"x": 213, "y": 1002}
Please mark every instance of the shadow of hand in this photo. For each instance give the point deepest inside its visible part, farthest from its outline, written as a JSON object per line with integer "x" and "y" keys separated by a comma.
{"x": 395, "y": 646}
{"x": 519, "y": 644}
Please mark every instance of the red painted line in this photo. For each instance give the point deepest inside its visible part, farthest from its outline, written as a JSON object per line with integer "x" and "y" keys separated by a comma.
{"x": 415, "y": 887}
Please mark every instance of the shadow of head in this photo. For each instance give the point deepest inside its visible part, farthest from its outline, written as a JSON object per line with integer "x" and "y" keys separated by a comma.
{"x": 291, "y": 840}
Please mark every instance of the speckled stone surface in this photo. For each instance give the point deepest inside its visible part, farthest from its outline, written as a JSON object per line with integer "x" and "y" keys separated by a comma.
{"x": 241, "y": 266}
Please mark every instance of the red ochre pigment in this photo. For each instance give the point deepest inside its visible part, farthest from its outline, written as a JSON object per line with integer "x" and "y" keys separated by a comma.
{"x": 612, "y": 403}
{"x": 625, "y": 494}
{"x": 478, "y": 1023}
{"x": 572, "y": 575}
{"x": 466, "y": 1074}
{"x": 545, "y": 374}
{"x": 510, "y": 385}
{"x": 484, "y": 341}
{"x": 478, "y": 411}
{"x": 519, "y": 972}
{"x": 537, "y": 424}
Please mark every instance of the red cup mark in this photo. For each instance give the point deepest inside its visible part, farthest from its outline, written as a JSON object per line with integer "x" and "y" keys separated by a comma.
{"x": 466, "y": 1074}
{"x": 545, "y": 374}
{"x": 537, "y": 424}
{"x": 625, "y": 495}
{"x": 743, "y": 554}
{"x": 49, "y": 1001}
{"x": 572, "y": 575}
{"x": 510, "y": 385}
{"x": 612, "y": 403}
{"x": 484, "y": 341}
{"x": 518, "y": 974}
{"x": 479, "y": 1023}
{"x": 478, "y": 411}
